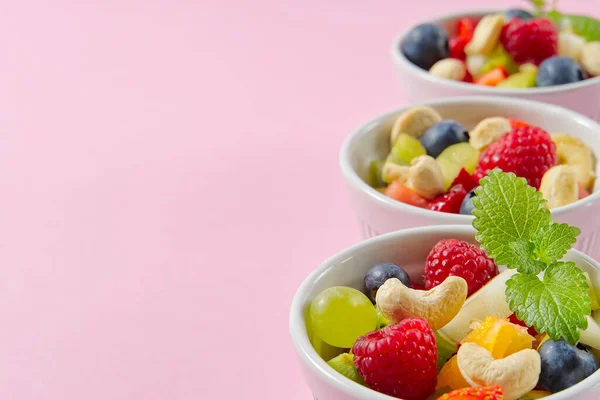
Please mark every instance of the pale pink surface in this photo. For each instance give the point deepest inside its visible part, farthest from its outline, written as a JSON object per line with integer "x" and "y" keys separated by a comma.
{"x": 169, "y": 176}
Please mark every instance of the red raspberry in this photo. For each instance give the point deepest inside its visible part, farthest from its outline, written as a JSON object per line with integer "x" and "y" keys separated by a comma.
{"x": 465, "y": 179}
{"x": 530, "y": 41}
{"x": 527, "y": 152}
{"x": 399, "y": 360}
{"x": 475, "y": 393}
{"x": 458, "y": 258}
{"x": 449, "y": 202}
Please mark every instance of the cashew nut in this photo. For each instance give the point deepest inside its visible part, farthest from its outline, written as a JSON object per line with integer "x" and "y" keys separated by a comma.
{"x": 488, "y": 131}
{"x": 517, "y": 374}
{"x": 449, "y": 68}
{"x": 486, "y": 36}
{"x": 573, "y": 152}
{"x": 475, "y": 65}
{"x": 590, "y": 58}
{"x": 414, "y": 122}
{"x": 391, "y": 172}
{"x": 570, "y": 45}
{"x": 425, "y": 177}
{"x": 559, "y": 186}
{"x": 438, "y": 305}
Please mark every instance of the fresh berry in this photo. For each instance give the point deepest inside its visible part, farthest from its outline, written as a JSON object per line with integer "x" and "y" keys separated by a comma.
{"x": 530, "y": 329}
{"x": 425, "y": 45}
{"x": 527, "y": 152}
{"x": 475, "y": 393}
{"x": 559, "y": 70}
{"x": 467, "y": 206}
{"x": 449, "y": 202}
{"x": 458, "y": 258}
{"x": 416, "y": 286}
{"x": 466, "y": 27}
{"x": 399, "y": 360}
{"x": 465, "y": 179}
{"x": 443, "y": 134}
{"x": 468, "y": 77}
{"x": 398, "y": 191}
{"x": 517, "y": 13}
{"x": 564, "y": 365}
{"x": 457, "y": 48}
{"x": 380, "y": 273}
{"x": 530, "y": 41}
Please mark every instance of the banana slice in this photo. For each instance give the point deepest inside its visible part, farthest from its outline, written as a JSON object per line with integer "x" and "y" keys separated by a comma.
{"x": 573, "y": 152}
{"x": 415, "y": 121}
{"x": 488, "y": 131}
{"x": 486, "y": 36}
{"x": 559, "y": 186}
{"x": 449, "y": 68}
{"x": 590, "y": 58}
{"x": 570, "y": 45}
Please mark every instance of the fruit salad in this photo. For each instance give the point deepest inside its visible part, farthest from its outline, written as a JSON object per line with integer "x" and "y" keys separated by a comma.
{"x": 514, "y": 49}
{"x": 437, "y": 163}
{"x": 504, "y": 319}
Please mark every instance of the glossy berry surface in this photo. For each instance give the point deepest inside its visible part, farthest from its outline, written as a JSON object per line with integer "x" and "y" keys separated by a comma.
{"x": 443, "y": 134}
{"x": 475, "y": 393}
{"x": 467, "y": 206}
{"x": 449, "y": 202}
{"x": 559, "y": 71}
{"x": 379, "y": 273}
{"x": 399, "y": 360}
{"x": 564, "y": 365}
{"x": 425, "y": 45}
{"x": 527, "y": 152}
{"x": 517, "y": 13}
{"x": 530, "y": 41}
{"x": 458, "y": 258}
{"x": 465, "y": 179}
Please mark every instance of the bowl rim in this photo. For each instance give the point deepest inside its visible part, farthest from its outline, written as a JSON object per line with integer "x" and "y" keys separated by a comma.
{"x": 353, "y": 179}
{"x": 400, "y": 59}
{"x": 309, "y": 356}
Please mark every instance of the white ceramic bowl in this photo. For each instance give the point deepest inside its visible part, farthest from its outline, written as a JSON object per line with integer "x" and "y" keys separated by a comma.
{"x": 408, "y": 248}
{"x": 378, "y": 214}
{"x": 418, "y": 85}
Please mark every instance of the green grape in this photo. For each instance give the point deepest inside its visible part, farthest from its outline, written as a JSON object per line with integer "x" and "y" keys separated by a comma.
{"x": 375, "y": 179}
{"x": 446, "y": 348}
{"x": 406, "y": 148}
{"x": 500, "y": 58}
{"x": 324, "y": 350}
{"x": 520, "y": 80}
{"x": 342, "y": 314}
{"x": 344, "y": 364}
{"x": 456, "y": 157}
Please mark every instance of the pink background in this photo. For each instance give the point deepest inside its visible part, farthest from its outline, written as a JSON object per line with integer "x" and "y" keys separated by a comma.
{"x": 169, "y": 175}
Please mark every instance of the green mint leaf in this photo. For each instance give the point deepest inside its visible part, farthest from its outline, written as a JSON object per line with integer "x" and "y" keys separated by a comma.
{"x": 557, "y": 305}
{"x": 587, "y": 27}
{"x": 553, "y": 241}
{"x": 507, "y": 210}
{"x": 520, "y": 255}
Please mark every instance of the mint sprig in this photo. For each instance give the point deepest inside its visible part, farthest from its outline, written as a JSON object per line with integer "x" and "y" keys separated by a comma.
{"x": 516, "y": 229}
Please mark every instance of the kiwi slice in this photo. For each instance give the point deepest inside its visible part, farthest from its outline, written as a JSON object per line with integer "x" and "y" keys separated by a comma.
{"x": 344, "y": 364}
{"x": 446, "y": 348}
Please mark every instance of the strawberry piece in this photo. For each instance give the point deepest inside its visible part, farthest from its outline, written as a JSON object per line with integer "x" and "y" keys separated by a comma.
{"x": 416, "y": 286}
{"x": 530, "y": 329}
{"x": 465, "y": 179}
{"x": 457, "y": 47}
{"x": 583, "y": 192}
{"x": 475, "y": 393}
{"x": 468, "y": 77}
{"x": 449, "y": 202}
{"x": 514, "y": 123}
{"x": 466, "y": 28}
{"x": 398, "y": 191}
{"x": 493, "y": 77}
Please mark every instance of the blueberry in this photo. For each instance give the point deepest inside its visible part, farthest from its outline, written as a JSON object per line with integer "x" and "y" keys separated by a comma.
{"x": 559, "y": 71}
{"x": 443, "y": 134}
{"x": 466, "y": 208}
{"x": 425, "y": 45}
{"x": 564, "y": 365}
{"x": 517, "y": 13}
{"x": 380, "y": 273}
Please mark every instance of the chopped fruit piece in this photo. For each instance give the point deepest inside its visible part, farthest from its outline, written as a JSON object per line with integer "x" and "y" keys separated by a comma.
{"x": 455, "y": 158}
{"x": 399, "y": 360}
{"x": 466, "y": 27}
{"x": 468, "y": 77}
{"x": 465, "y": 179}
{"x": 450, "y": 376}
{"x": 530, "y": 329}
{"x": 520, "y": 80}
{"x": 535, "y": 395}
{"x": 457, "y": 48}
{"x": 493, "y": 77}
{"x": 449, "y": 202}
{"x": 453, "y": 257}
{"x": 540, "y": 338}
{"x": 446, "y": 348}
{"x": 594, "y": 303}
{"x": 375, "y": 177}
{"x": 416, "y": 286}
{"x": 500, "y": 337}
{"x": 407, "y": 148}
{"x": 530, "y": 41}
{"x": 517, "y": 124}
{"x": 583, "y": 192}
{"x": 500, "y": 58}
{"x": 344, "y": 364}
{"x": 475, "y": 393}
{"x": 381, "y": 189}
{"x": 398, "y": 191}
